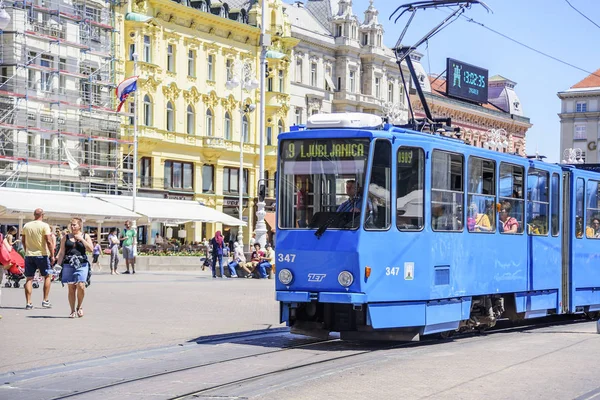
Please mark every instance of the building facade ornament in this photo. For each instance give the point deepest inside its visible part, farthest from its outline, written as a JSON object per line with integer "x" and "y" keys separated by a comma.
{"x": 171, "y": 91}
{"x": 149, "y": 84}
{"x": 229, "y": 103}
{"x": 192, "y": 95}
{"x": 211, "y": 100}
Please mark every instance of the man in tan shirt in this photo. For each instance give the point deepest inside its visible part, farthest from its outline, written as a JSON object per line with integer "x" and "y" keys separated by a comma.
{"x": 38, "y": 244}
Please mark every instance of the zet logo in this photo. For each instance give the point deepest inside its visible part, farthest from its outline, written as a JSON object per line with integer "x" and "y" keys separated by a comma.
{"x": 316, "y": 277}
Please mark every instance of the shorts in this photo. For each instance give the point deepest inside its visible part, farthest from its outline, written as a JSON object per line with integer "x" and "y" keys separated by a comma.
{"x": 34, "y": 263}
{"x": 71, "y": 274}
{"x": 95, "y": 258}
{"x": 128, "y": 252}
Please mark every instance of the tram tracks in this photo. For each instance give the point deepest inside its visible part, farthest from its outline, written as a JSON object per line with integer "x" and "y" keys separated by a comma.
{"x": 288, "y": 359}
{"x": 219, "y": 340}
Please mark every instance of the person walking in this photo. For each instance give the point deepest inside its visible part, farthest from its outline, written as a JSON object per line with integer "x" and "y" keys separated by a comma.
{"x": 39, "y": 255}
{"x": 217, "y": 253}
{"x": 96, "y": 255}
{"x": 113, "y": 245}
{"x": 73, "y": 248}
{"x": 127, "y": 238}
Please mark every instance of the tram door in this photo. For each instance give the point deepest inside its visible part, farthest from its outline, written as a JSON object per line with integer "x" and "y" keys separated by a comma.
{"x": 543, "y": 229}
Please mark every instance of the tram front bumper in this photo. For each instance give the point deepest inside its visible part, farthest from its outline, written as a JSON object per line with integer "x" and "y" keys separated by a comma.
{"x": 321, "y": 297}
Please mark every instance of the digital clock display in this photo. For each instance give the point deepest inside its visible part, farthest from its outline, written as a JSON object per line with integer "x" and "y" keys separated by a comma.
{"x": 466, "y": 81}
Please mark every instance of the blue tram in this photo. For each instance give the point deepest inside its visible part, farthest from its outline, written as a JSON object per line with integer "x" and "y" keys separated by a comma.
{"x": 390, "y": 233}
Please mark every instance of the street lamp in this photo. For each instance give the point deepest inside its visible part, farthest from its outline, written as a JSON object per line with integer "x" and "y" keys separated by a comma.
{"x": 496, "y": 139}
{"x": 242, "y": 75}
{"x": 395, "y": 113}
{"x": 573, "y": 156}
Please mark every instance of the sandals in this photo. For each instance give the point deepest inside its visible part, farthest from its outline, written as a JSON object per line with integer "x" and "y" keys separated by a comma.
{"x": 80, "y": 312}
{"x": 73, "y": 314}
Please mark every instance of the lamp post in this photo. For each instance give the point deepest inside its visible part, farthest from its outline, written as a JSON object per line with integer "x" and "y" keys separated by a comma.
{"x": 573, "y": 156}
{"x": 242, "y": 75}
{"x": 395, "y": 113}
{"x": 135, "y": 155}
{"x": 496, "y": 139}
{"x": 265, "y": 41}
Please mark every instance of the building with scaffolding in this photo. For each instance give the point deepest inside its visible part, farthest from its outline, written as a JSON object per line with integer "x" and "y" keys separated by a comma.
{"x": 58, "y": 128}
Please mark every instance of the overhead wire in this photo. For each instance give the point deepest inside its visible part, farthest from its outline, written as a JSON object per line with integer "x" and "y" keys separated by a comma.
{"x": 469, "y": 19}
{"x": 582, "y": 14}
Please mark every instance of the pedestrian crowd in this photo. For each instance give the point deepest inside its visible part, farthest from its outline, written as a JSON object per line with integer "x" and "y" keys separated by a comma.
{"x": 63, "y": 254}
{"x": 233, "y": 262}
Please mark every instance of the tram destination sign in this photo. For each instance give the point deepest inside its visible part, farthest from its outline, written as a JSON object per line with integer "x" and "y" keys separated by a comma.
{"x": 300, "y": 150}
{"x": 466, "y": 81}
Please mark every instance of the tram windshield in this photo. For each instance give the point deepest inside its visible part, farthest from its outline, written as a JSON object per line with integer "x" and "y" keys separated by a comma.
{"x": 321, "y": 183}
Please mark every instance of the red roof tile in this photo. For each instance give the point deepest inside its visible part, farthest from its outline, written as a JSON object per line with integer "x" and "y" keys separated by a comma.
{"x": 592, "y": 80}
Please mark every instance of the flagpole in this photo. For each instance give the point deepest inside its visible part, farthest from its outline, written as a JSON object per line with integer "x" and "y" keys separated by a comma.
{"x": 135, "y": 155}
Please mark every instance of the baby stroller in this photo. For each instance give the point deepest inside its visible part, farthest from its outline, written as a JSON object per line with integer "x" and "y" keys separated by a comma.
{"x": 14, "y": 274}
{"x": 13, "y": 263}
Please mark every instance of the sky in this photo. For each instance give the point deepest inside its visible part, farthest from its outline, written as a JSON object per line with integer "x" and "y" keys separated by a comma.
{"x": 550, "y": 26}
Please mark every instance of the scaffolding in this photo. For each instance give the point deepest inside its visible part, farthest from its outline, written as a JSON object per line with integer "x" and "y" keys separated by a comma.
{"x": 58, "y": 127}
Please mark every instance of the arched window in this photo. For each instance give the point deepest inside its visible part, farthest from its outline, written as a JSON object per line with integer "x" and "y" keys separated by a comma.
{"x": 269, "y": 136}
{"x": 170, "y": 117}
{"x": 191, "y": 120}
{"x": 227, "y": 126}
{"x": 280, "y": 127}
{"x": 209, "y": 122}
{"x": 245, "y": 135}
{"x": 147, "y": 110}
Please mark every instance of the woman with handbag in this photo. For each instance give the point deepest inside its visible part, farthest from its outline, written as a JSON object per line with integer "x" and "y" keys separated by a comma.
{"x": 73, "y": 249}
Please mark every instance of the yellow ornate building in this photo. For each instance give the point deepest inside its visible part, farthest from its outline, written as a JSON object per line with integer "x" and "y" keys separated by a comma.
{"x": 189, "y": 123}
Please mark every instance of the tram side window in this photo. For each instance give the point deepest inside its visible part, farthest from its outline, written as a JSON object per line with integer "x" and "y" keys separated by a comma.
{"x": 481, "y": 195}
{"x": 555, "y": 205}
{"x": 538, "y": 202}
{"x": 592, "y": 230}
{"x": 579, "y": 192}
{"x": 378, "y": 211}
{"x": 410, "y": 200}
{"x": 447, "y": 191}
{"x": 511, "y": 198}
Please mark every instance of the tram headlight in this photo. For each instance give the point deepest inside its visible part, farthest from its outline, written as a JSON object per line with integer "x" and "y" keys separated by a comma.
{"x": 345, "y": 278}
{"x": 285, "y": 276}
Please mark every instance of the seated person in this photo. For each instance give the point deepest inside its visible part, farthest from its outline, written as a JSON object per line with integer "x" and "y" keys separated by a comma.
{"x": 267, "y": 261}
{"x": 508, "y": 224}
{"x": 477, "y": 222}
{"x": 256, "y": 258}
{"x": 579, "y": 227}
{"x": 239, "y": 260}
{"x": 593, "y": 231}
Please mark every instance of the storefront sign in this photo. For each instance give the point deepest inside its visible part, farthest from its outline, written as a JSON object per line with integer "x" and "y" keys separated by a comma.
{"x": 234, "y": 203}
{"x": 179, "y": 196}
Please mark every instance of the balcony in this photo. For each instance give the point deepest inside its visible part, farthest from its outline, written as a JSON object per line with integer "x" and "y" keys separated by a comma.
{"x": 276, "y": 99}
{"x": 214, "y": 142}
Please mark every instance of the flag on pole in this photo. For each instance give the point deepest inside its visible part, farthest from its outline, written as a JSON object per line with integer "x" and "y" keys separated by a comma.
{"x": 124, "y": 88}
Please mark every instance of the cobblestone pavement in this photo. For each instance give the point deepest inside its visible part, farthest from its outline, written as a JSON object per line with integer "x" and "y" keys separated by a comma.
{"x": 130, "y": 312}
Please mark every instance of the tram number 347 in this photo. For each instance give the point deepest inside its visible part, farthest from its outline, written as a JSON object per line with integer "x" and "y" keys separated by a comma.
{"x": 392, "y": 271}
{"x": 286, "y": 257}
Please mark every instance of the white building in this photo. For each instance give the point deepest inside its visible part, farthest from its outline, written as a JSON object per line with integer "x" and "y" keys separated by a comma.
{"x": 341, "y": 64}
{"x": 580, "y": 118}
